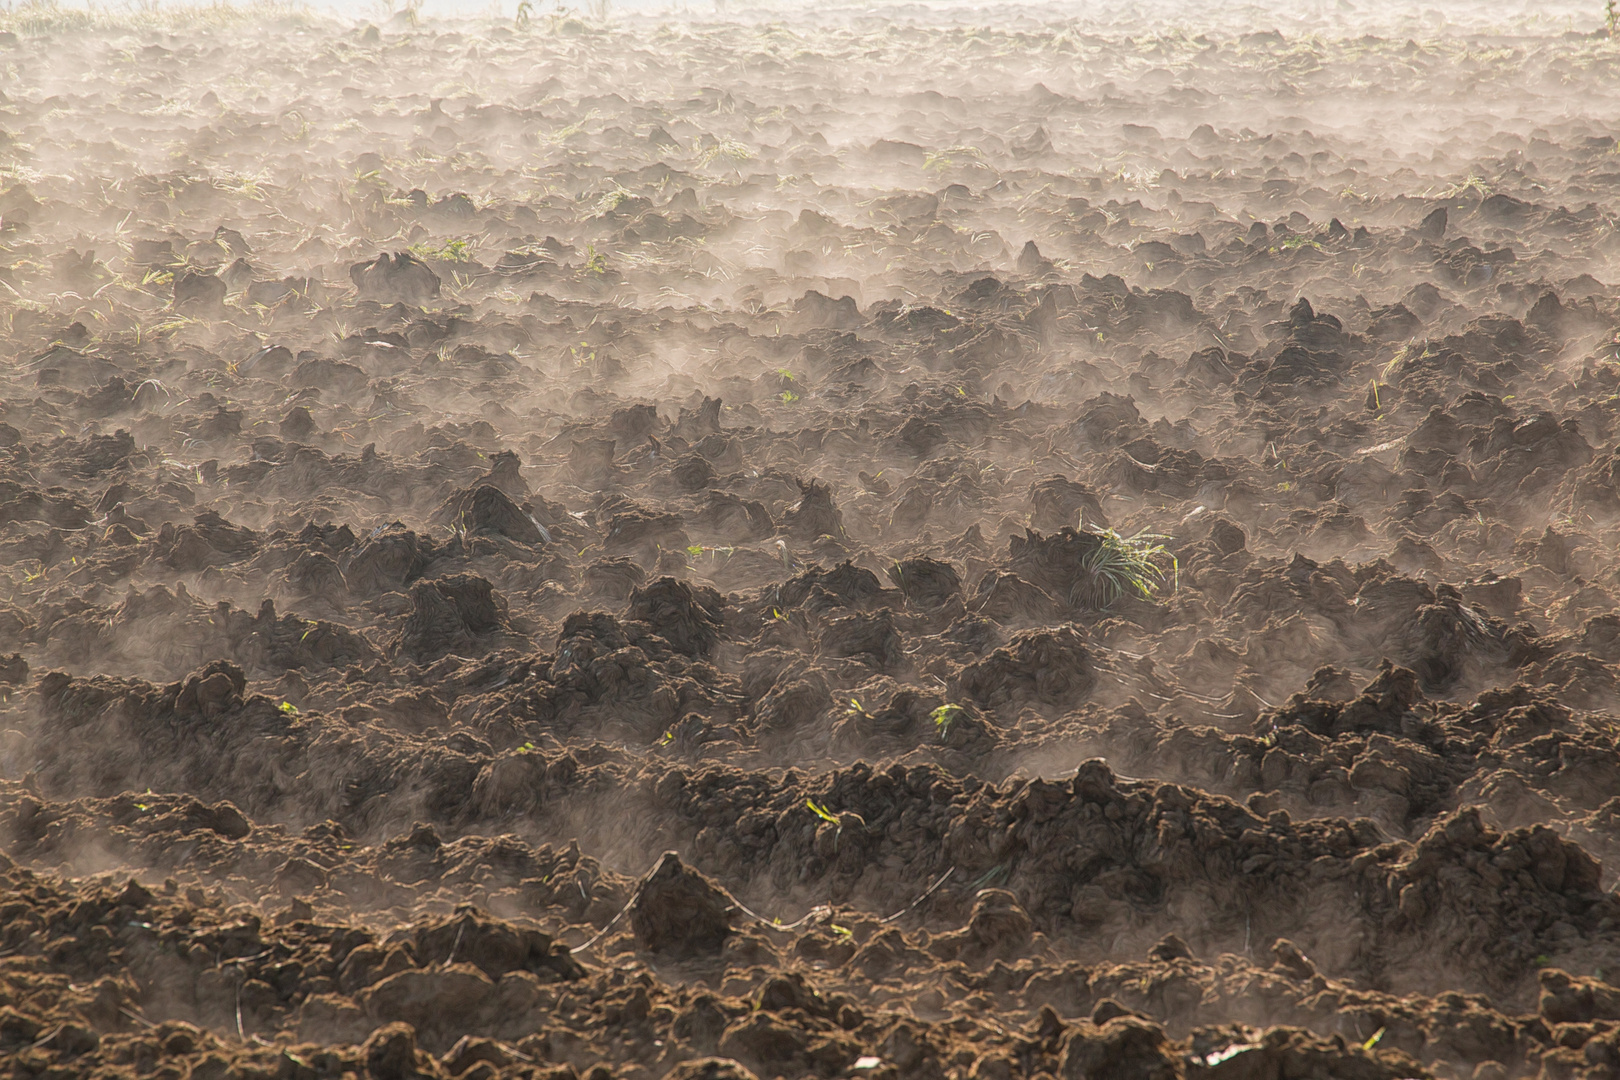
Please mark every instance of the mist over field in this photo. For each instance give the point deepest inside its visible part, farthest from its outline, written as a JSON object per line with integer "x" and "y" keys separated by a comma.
{"x": 900, "y": 541}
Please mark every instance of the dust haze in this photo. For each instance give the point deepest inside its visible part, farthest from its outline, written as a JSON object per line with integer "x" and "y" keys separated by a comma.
{"x": 1089, "y": 532}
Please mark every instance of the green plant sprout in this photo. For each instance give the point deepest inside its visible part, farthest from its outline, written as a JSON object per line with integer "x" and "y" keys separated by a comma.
{"x": 1294, "y": 243}
{"x": 944, "y": 717}
{"x": 449, "y": 251}
{"x": 821, "y": 811}
{"x": 1121, "y": 565}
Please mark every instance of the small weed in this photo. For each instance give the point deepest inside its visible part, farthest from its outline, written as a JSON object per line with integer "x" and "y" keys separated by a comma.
{"x": 1473, "y": 184}
{"x": 1297, "y": 241}
{"x": 612, "y": 200}
{"x": 1121, "y": 565}
{"x": 984, "y": 880}
{"x": 288, "y": 708}
{"x": 730, "y": 149}
{"x": 449, "y": 251}
{"x": 944, "y": 717}
{"x": 1412, "y": 350}
{"x": 954, "y": 157}
{"x": 821, "y": 811}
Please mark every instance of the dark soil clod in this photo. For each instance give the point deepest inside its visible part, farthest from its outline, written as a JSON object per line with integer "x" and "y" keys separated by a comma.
{"x": 681, "y": 913}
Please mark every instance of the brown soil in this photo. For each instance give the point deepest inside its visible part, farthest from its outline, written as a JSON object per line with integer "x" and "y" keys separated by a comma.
{"x": 571, "y": 550}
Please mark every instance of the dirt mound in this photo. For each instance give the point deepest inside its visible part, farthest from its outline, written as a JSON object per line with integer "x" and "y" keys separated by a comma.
{"x": 397, "y": 277}
{"x": 386, "y": 560}
{"x": 679, "y": 912}
{"x": 929, "y": 582}
{"x": 449, "y": 614}
{"x": 1044, "y": 667}
{"x": 690, "y": 619}
{"x": 488, "y": 509}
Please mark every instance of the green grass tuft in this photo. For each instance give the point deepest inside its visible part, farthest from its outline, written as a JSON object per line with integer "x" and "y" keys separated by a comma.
{"x": 1124, "y": 565}
{"x": 944, "y": 717}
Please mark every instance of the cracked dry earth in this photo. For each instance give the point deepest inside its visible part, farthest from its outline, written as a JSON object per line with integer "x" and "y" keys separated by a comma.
{"x": 445, "y": 466}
